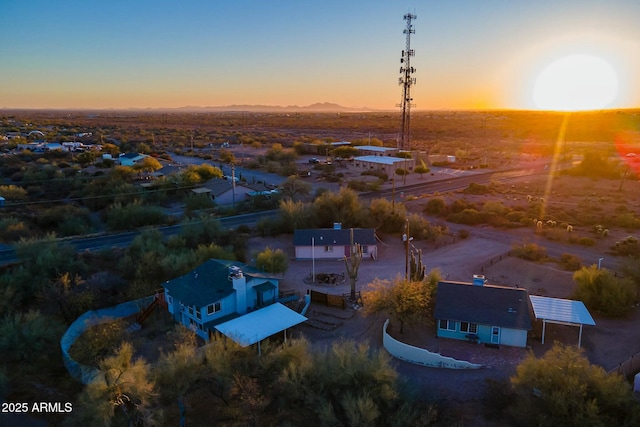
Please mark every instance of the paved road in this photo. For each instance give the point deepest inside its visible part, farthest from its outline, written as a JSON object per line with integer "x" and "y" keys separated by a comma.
{"x": 120, "y": 240}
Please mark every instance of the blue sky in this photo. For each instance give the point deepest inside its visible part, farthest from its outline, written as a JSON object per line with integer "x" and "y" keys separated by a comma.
{"x": 142, "y": 53}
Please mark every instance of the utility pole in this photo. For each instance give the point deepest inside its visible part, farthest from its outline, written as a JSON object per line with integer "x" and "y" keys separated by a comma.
{"x": 406, "y": 81}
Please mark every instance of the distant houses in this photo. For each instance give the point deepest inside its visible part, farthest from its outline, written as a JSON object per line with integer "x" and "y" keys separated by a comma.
{"x": 333, "y": 243}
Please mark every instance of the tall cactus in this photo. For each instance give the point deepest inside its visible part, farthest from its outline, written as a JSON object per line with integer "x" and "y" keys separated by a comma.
{"x": 352, "y": 264}
{"x": 416, "y": 269}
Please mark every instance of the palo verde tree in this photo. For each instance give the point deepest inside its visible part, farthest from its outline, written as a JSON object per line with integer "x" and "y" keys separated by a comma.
{"x": 408, "y": 302}
{"x": 123, "y": 390}
{"x": 563, "y": 388}
{"x": 272, "y": 261}
{"x": 601, "y": 291}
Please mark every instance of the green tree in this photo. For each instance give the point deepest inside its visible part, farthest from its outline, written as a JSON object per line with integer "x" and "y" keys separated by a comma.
{"x": 563, "y": 388}
{"x": 294, "y": 186}
{"x": 294, "y": 215}
{"x": 403, "y": 173}
{"x": 600, "y": 290}
{"x": 407, "y": 301}
{"x": 226, "y": 156}
{"x": 422, "y": 168}
{"x": 124, "y": 389}
{"x": 384, "y": 216}
{"x": 345, "y": 152}
{"x": 272, "y": 261}
{"x": 179, "y": 372}
{"x": 148, "y": 164}
{"x": 344, "y": 207}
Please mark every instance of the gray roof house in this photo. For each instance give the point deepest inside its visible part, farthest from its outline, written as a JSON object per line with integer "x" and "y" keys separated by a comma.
{"x": 483, "y": 313}
{"x": 217, "y": 291}
{"x": 333, "y": 243}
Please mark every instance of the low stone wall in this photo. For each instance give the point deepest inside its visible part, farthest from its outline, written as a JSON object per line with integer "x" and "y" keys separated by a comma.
{"x": 420, "y": 356}
{"x": 86, "y": 374}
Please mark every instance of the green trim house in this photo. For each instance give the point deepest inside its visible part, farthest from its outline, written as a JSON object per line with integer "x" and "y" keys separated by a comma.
{"x": 483, "y": 313}
{"x": 217, "y": 291}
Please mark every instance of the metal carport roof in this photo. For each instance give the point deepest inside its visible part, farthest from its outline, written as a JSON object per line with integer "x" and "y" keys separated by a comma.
{"x": 260, "y": 324}
{"x": 561, "y": 311}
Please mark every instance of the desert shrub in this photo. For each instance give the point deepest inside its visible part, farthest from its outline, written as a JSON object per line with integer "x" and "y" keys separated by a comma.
{"x": 586, "y": 241}
{"x": 466, "y": 216}
{"x": 529, "y": 251}
{"x": 570, "y": 262}
{"x": 463, "y": 234}
{"x": 496, "y": 207}
{"x": 628, "y": 246}
{"x": 516, "y": 216}
{"x": 358, "y": 185}
{"x": 375, "y": 172}
{"x": 13, "y": 192}
{"x": 627, "y": 221}
{"x": 461, "y": 204}
{"x": 600, "y": 290}
{"x": 554, "y": 234}
{"x": 133, "y": 215}
{"x": 194, "y": 202}
{"x": 436, "y": 206}
{"x": 421, "y": 229}
{"x": 474, "y": 188}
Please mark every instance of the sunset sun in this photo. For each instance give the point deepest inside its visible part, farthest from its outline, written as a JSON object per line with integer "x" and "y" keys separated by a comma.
{"x": 574, "y": 83}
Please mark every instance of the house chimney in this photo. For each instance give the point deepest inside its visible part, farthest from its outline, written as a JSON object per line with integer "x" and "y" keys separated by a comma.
{"x": 479, "y": 280}
{"x": 240, "y": 286}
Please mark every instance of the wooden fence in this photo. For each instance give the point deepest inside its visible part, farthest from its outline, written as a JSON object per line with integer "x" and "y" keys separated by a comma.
{"x": 629, "y": 367}
{"x": 327, "y": 299}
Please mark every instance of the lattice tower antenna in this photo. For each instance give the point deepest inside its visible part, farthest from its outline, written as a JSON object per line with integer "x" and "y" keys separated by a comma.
{"x": 406, "y": 81}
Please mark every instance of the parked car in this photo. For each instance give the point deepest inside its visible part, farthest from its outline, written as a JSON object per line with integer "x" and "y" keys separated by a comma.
{"x": 314, "y": 161}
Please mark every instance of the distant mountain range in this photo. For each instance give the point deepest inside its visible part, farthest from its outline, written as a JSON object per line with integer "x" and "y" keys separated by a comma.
{"x": 317, "y": 107}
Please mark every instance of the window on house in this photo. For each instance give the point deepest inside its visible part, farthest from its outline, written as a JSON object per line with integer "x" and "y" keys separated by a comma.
{"x": 190, "y": 310}
{"x": 169, "y": 300}
{"x": 198, "y": 315}
{"x": 328, "y": 248}
{"x": 470, "y": 328}
{"x": 213, "y": 308}
{"x": 447, "y": 325}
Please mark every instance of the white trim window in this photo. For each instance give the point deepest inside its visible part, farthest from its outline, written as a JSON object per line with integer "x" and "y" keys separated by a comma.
{"x": 447, "y": 325}
{"x": 213, "y": 308}
{"x": 470, "y": 328}
{"x": 328, "y": 249}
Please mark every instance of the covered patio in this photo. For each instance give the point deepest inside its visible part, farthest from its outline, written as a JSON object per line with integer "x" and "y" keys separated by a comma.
{"x": 260, "y": 324}
{"x": 562, "y": 312}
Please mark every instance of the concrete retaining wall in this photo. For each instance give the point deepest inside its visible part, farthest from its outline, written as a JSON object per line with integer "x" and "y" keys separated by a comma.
{"x": 420, "y": 356}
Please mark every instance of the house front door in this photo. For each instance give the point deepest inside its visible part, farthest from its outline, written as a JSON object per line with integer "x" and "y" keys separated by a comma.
{"x": 495, "y": 335}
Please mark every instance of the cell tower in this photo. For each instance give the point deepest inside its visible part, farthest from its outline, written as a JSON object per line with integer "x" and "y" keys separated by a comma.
{"x": 406, "y": 80}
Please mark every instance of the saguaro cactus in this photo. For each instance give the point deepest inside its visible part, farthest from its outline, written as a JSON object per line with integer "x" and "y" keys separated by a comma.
{"x": 417, "y": 270}
{"x": 352, "y": 264}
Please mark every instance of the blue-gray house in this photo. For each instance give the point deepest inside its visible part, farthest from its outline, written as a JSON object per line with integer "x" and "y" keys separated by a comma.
{"x": 483, "y": 313}
{"x": 217, "y": 291}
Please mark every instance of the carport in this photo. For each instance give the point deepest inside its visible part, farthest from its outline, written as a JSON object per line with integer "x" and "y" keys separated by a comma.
{"x": 562, "y": 312}
{"x": 260, "y": 324}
